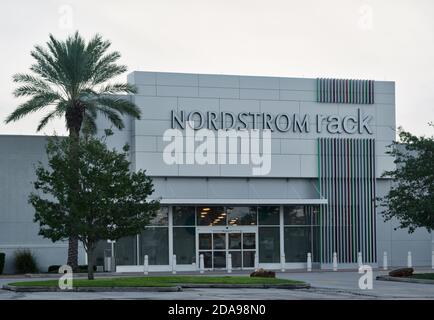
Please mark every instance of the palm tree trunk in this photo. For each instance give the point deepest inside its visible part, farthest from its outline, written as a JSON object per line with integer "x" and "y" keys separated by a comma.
{"x": 74, "y": 119}
{"x": 73, "y": 253}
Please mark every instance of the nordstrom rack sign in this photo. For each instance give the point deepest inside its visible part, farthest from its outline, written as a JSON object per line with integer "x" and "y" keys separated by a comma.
{"x": 282, "y": 122}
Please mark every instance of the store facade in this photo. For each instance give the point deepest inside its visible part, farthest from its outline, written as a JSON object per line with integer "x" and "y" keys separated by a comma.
{"x": 266, "y": 169}
{"x": 314, "y": 188}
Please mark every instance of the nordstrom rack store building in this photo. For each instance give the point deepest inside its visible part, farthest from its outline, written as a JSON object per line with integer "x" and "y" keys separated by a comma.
{"x": 265, "y": 169}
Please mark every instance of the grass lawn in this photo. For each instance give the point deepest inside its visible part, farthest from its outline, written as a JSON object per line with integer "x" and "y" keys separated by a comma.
{"x": 426, "y": 276}
{"x": 167, "y": 281}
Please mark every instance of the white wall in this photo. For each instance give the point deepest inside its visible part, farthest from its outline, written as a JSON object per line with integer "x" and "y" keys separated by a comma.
{"x": 293, "y": 154}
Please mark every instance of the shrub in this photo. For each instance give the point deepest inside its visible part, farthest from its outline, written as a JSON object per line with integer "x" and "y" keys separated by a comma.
{"x": 2, "y": 262}
{"x": 54, "y": 268}
{"x": 81, "y": 268}
{"x": 25, "y": 261}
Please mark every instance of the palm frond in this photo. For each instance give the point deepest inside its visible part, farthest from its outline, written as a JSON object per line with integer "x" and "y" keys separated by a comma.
{"x": 117, "y": 88}
{"x": 112, "y": 116}
{"x": 34, "y": 104}
{"x": 47, "y": 67}
{"x": 106, "y": 72}
{"x": 44, "y": 121}
{"x": 31, "y": 80}
{"x": 122, "y": 106}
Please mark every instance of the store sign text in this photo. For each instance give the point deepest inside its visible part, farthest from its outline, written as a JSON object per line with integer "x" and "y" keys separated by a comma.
{"x": 281, "y": 122}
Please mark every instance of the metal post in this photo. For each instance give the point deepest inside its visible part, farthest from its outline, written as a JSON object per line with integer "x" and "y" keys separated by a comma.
{"x": 409, "y": 260}
{"x": 111, "y": 260}
{"x": 229, "y": 263}
{"x": 256, "y": 262}
{"x": 282, "y": 263}
{"x": 108, "y": 264}
{"x": 174, "y": 264}
{"x": 201, "y": 264}
{"x": 432, "y": 259}
{"x": 146, "y": 265}
{"x": 309, "y": 262}
{"x": 335, "y": 261}
{"x": 359, "y": 259}
{"x": 385, "y": 260}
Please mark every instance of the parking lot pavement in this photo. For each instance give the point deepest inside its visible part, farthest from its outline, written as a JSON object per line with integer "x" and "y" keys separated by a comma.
{"x": 349, "y": 282}
{"x": 325, "y": 285}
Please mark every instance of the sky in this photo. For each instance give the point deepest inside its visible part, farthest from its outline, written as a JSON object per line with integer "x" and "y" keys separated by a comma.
{"x": 360, "y": 39}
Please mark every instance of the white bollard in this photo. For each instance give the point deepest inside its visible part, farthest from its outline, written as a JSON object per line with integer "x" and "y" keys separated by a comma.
{"x": 256, "y": 262}
{"x": 409, "y": 262}
{"x": 432, "y": 259}
{"x": 282, "y": 263}
{"x": 174, "y": 264}
{"x": 385, "y": 260}
{"x": 309, "y": 262}
{"x": 359, "y": 260}
{"x": 146, "y": 265}
{"x": 201, "y": 264}
{"x": 229, "y": 263}
{"x": 335, "y": 261}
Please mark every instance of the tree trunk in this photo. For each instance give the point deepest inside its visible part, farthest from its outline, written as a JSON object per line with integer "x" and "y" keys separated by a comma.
{"x": 74, "y": 119}
{"x": 90, "y": 251}
{"x": 73, "y": 253}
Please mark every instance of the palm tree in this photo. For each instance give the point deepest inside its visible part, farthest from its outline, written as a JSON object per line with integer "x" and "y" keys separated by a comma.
{"x": 71, "y": 79}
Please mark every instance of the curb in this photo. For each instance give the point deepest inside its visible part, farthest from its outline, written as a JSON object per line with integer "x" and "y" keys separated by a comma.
{"x": 246, "y": 286}
{"x": 177, "y": 288}
{"x": 408, "y": 280}
{"x": 91, "y": 289}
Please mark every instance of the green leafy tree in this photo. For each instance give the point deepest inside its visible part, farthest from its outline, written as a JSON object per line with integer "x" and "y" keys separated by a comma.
{"x": 112, "y": 202}
{"x": 70, "y": 79}
{"x": 411, "y": 197}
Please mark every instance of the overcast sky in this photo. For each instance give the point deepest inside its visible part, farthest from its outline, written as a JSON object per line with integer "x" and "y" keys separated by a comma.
{"x": 372, "y": 39}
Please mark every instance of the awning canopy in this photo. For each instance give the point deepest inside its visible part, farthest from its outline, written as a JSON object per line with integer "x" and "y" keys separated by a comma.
{"x": 243, "y": 201}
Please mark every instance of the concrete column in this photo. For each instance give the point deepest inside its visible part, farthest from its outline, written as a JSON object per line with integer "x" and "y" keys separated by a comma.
{"x": 335, "y": 261}
{"x": 201, "y": 264}
{"x": 359, "y": 259}
{"x": 256, "y": 261}
{"x": 174, "y": 264}
{"x": 146, "y": 265}
{"x": 385, "y": 260}
{"x": 229, "y": 263}
{"x": 409, "y": 260}
{"x": 309, "y": 262}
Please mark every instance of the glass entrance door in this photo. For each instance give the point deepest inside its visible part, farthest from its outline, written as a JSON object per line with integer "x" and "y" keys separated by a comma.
{"x": 215, "y": 246}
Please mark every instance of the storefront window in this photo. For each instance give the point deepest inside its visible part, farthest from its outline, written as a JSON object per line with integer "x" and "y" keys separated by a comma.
{"x": 126, "y": 251}
{"x": 296, "y": 215}
{"x": 103, "y": 248}
{"x": 154, "y": 242}
{"x": 300, "y": 232}
{"x": 184, "y": 244}
{"x": 269, "y": 244}
{"x": 297, "y": 243}
{"x": 269, "y": 216}
{"x": 242, "y": 216}
{"x": 205, "y": 241}
{"x": 184, "y": 216}
{"x": 211, "y": 216}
